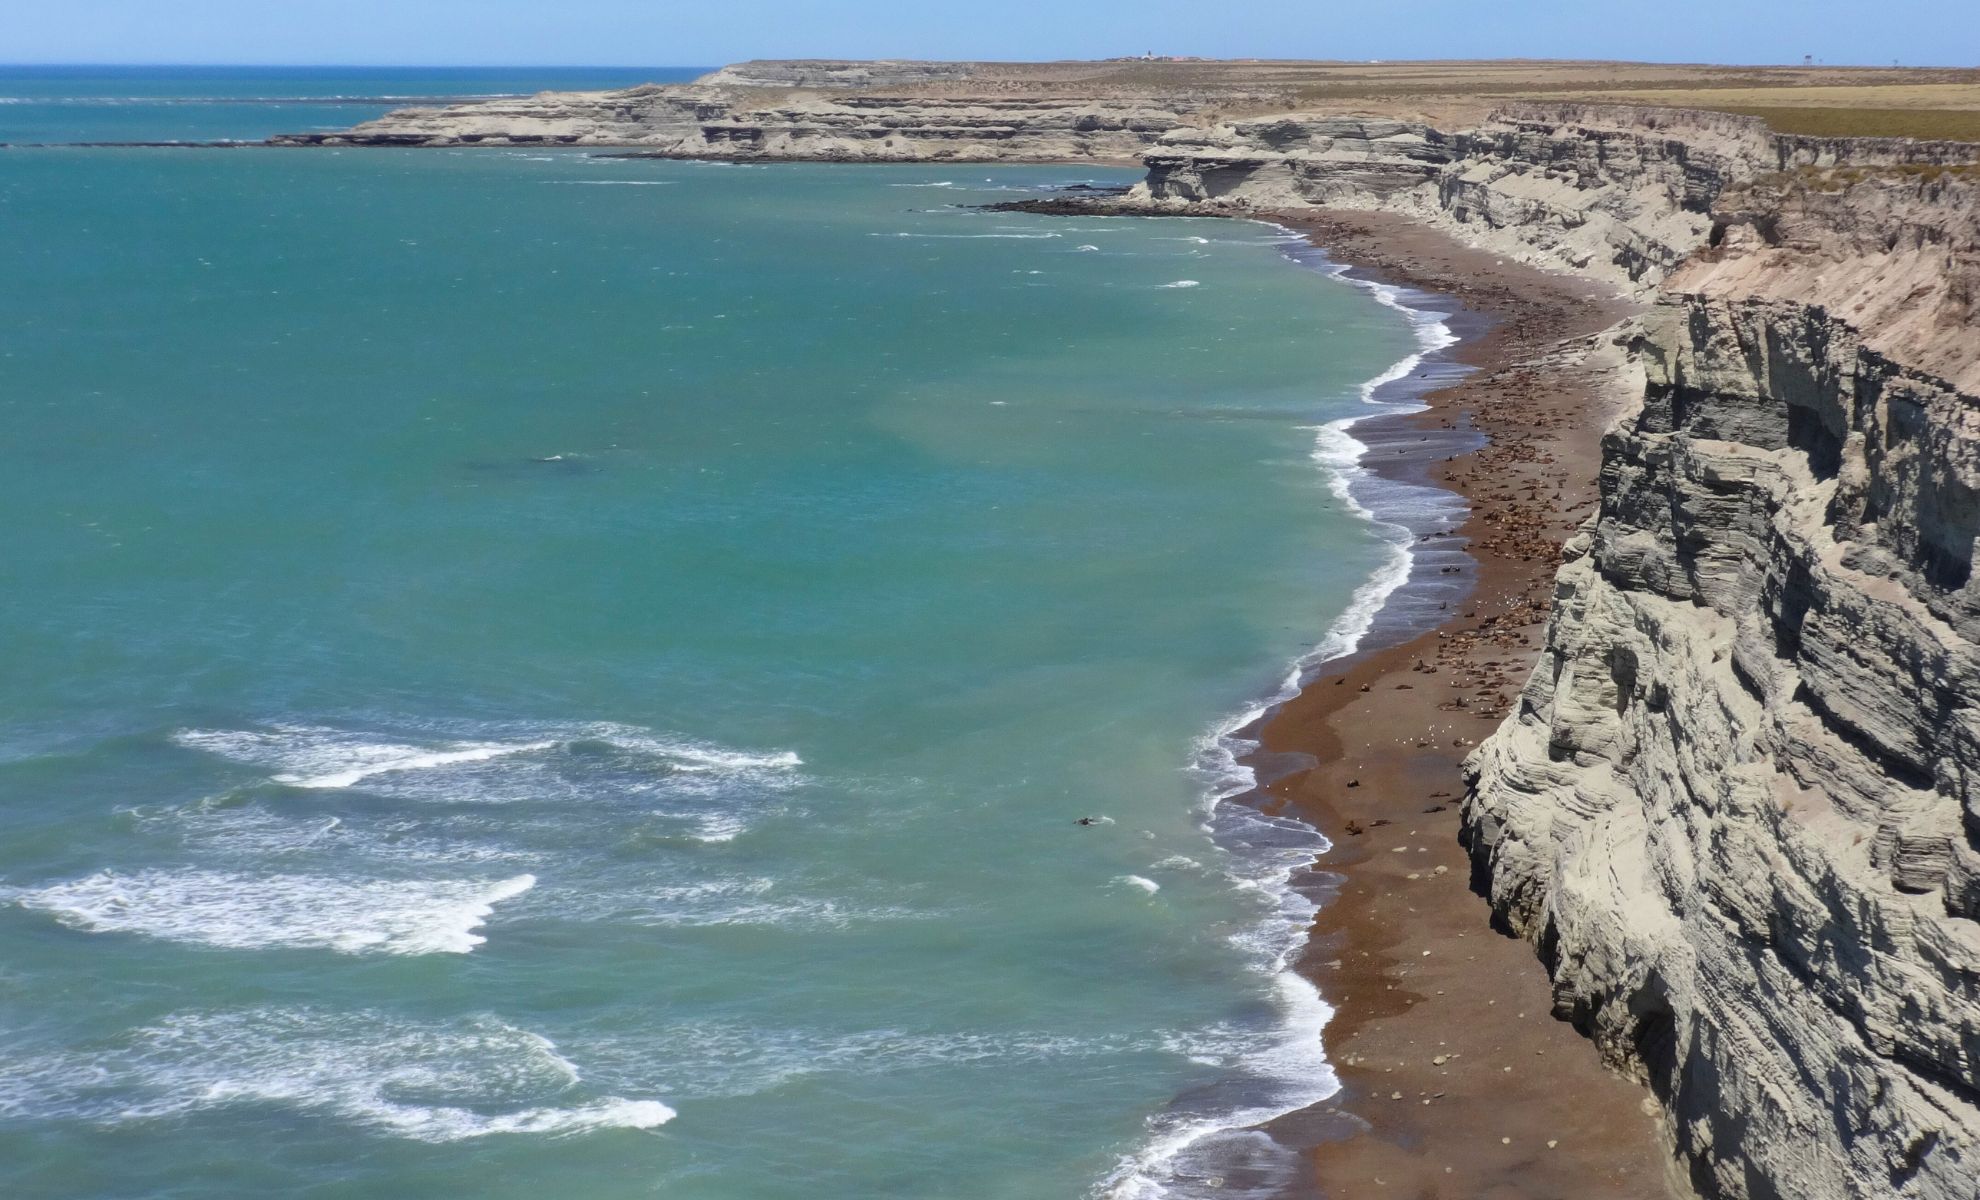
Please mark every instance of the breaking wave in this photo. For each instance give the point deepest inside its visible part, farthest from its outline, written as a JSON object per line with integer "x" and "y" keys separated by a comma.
{"x": 321, "y": 756}
{"x": 259, "y": 912}
{"x": 1213, "y": 1147}
{"x": 428, "y": 1082}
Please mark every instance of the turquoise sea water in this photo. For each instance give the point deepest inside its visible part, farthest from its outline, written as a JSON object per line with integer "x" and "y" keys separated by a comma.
{"x": 534, "y": 672}
{"x": 196, "y": 104}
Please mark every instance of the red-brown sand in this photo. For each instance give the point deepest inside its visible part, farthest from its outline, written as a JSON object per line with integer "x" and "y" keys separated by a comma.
{"x": 1457, "y": 1082}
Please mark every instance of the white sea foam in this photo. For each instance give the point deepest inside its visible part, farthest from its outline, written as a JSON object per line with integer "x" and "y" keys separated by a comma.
{"x": 1280, "y": 1070}
{"x": 692, "y": 756}
{"x": 318, "y": 756}
{"x": 1140, "y": 881}
{"x": 255, "y": 833}
{"x": 1183, "y": 283}
{"x": 1024, "y": 237}
{"x": 740, "y": 900}
{"x": 395, "y": 758}
{"x": 256, "y": 912}
{"x": 612, "y": 182}
{"x": 719, "y": 827}
{"x": 1223, "y": 1153}
{"x": 429, "y": 1082}
{"x": 718, "y": 1059}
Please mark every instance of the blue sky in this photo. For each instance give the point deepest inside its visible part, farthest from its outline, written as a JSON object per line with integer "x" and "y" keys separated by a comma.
{"x": 708, "y": 32}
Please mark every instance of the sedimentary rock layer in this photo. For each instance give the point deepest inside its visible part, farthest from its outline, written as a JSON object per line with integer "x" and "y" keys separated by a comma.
{"x": 1623, "y": 194}
{"x": 881, "y": 111}
{"x": 1735, "y": 807}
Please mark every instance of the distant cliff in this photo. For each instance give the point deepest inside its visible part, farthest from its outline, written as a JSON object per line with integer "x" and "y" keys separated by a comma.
{"x": 836, "y": 111}
{"x": 1623, "y": 194}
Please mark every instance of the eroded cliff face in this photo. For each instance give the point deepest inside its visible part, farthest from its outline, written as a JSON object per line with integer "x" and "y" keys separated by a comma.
{"x": 747, "y": 123}
{"x": 1736, "y": 807}
{"x": 835, "y": 111}
{"x": 1622, "y": 194}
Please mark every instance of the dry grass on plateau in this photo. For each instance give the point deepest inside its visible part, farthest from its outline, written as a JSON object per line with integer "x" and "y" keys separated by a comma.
{"x": 1932, "y": 125}
{"x": 1937, "y": 111}
{"x": 1932, "y": 103}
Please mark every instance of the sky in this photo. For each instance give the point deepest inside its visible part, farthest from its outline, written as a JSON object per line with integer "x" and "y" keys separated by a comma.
{"x": 712, "y": 32}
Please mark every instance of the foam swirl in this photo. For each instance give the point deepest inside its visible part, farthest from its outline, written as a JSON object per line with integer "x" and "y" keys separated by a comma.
{"x": 259, "y": 912}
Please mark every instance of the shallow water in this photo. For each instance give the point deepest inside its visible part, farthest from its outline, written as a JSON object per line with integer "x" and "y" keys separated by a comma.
{"x": 516, "y": 683}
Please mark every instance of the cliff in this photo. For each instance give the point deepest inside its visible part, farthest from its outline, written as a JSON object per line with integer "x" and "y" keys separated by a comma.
{"x": 1734, "y": 808}
{"x": 1622, "y": 194}
{"x": 824, "y": 110}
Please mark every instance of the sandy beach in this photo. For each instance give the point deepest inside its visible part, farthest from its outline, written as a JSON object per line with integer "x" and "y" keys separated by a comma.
{"x": 1457, "y": 1081}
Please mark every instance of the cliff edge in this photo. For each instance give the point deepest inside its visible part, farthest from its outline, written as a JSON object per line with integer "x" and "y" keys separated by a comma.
{"x": 1735, "y": 808}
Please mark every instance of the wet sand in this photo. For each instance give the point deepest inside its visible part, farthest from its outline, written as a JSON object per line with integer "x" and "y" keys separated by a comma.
{"x": 1456, "y": 1079}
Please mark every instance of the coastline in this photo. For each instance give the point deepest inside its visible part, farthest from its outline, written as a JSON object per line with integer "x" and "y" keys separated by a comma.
{"x": 1290, "y": 1073}
{"x": 1422, "y": 1027}
{"x": 1455, "y": 1080}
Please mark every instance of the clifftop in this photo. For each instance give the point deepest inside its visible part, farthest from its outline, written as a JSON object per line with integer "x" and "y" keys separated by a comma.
{"x": 833, "y": 73}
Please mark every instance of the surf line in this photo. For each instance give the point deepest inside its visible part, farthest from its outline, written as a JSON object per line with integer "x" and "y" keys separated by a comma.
{"x": 1288, "y": 1071}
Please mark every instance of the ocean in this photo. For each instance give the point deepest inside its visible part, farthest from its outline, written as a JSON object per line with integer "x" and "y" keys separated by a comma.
{"x": 530, "y": 671}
